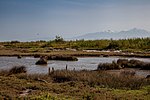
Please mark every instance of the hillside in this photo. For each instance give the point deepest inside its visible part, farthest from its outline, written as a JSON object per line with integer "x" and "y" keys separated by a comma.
{"x": 132, "y": 33}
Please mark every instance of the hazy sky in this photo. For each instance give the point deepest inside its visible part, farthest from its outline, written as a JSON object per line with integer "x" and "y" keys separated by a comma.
{"x": 43, "y": 19}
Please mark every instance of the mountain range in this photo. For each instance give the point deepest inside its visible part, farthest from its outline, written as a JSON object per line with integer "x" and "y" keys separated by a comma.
{"x": 132, "y": 33}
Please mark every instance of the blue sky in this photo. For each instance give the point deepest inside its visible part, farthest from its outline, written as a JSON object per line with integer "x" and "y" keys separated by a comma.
{"x": 43, "y": 19}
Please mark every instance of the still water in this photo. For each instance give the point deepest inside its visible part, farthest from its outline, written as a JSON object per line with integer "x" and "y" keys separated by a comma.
{"x": 88, "y": 63}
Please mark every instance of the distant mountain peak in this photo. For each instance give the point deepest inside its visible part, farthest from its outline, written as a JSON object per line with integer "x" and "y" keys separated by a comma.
{"x": 108, "y": 31}
{"x": 136, "y": 30}
{"x": 132, "y": 33}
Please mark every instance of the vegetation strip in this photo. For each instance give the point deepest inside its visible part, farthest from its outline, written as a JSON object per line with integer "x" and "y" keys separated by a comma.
{"x": 139, "y": 47}
{"x": 65, "y": 84}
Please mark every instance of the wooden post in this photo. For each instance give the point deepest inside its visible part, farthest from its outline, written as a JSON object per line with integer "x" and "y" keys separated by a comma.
{"x": 66, "y": 67}
{"x": 52, "y": 69}
{"x": 49, "y": 71}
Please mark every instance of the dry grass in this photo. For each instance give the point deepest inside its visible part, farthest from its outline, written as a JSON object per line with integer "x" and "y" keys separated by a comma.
{"x": 126, "y": 80}
{"x": 127, "y": 73}
{"x": 17, "y": 69}
{"x": 76, "y": 85}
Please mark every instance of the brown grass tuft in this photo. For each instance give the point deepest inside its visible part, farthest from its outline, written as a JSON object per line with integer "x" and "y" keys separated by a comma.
{"x": 18, "y": 69}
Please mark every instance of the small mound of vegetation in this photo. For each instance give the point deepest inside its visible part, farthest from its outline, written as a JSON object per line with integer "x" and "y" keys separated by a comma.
{"x": 136, "y": 64}
{"x": 62, "y": 57}
{"x": 19, "y": 56}
{"x": 108, "y": 66}
{"x": 124, "y": 63}
{"x": 41, "y": 61}
{"x": 17, "y": 69}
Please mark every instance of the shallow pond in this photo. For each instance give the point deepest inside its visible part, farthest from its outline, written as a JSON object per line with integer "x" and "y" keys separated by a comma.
{"x": 88, "y": 63}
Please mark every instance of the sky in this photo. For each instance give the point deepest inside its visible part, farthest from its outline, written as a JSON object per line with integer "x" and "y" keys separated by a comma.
{"x": 27, "y": 20}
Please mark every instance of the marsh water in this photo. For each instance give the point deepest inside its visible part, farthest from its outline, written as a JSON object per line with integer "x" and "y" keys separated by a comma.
{"x": 87, "y": 63}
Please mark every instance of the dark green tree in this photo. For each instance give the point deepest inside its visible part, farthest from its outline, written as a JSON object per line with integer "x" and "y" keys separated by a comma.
{"x": 59, "y": 39}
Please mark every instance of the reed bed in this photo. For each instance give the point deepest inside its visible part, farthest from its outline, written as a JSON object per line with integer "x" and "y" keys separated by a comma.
{"x": 65, "y": 84}
{"x": 125, "y": 80}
